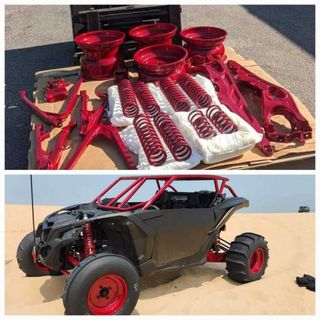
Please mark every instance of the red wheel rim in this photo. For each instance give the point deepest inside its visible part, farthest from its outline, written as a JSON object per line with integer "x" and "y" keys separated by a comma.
{"x": 107, "y": 295}
{"x": 257, "y": 260}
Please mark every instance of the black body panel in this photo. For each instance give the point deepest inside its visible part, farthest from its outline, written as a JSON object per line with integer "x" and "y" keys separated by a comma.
{"x": 153, "y": 240}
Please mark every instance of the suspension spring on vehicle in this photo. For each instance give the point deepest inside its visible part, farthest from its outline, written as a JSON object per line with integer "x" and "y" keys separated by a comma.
{"x": 177, "y": 99}
{"x": 150, "y": 141}
{"x": 146, "y": 99}
{"x": 220, "y": 120}
{"x": 201, "y": 124}
{"x": 128, "y": 99}
{"x": 193, "y": 89}
{"x": 173, "y": 138}
{"x": 88, "y": 241}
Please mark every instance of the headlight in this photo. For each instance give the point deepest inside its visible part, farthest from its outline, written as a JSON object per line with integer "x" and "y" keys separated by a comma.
{"x": 73, "y": 233}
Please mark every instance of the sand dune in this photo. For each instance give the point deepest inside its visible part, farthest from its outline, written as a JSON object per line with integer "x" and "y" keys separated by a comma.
{"x": 203, "y": 290}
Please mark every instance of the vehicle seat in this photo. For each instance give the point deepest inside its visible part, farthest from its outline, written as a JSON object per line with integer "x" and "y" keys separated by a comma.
{"x": 163, "y": 200}
{"x": 193, "y": 200}
{"x": 206, "y": 197}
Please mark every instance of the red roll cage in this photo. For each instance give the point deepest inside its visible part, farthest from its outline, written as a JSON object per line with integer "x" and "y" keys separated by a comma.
{"x": 220, "y": 183}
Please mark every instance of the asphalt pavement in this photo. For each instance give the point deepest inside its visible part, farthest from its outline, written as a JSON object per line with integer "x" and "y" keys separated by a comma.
{"x": 281, "y": 39}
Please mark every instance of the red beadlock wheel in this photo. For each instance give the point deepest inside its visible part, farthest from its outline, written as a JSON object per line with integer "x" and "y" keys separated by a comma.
{"x": 107, "y": 295}
{"x": 257, "y": 260}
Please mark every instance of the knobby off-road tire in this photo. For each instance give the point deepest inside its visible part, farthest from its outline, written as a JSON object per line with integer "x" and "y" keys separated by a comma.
{"x": 25, "y": 259}
{"x": 247, "y": 258}
{"x": 102, "y": 284}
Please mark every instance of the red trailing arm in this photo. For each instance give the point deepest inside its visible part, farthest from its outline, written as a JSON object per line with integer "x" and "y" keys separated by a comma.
{"x": 274, "y": 101}
{"x": 229, "y": 94}
{"x": 50, "y": 160}
{"x": 55, "y": 119}
{"x": 97, "y": 123}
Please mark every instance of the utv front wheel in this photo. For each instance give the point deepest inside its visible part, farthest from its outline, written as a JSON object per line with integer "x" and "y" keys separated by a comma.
{"x": 104, "y": 284}
{"x": 25, "y": 259}
{"x": 247, "y": 258}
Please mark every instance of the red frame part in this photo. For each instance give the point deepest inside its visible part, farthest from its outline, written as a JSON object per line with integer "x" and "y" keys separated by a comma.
{"x": 56, "y": 90}
{"x": 55, "y": 119}
{"x": 50, "y": 160}
{"x": 220, "y": 184}
{"x": 274, "y": 101}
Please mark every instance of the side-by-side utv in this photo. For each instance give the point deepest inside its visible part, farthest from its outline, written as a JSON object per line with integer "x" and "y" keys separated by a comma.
{"x": 105, "y": 246}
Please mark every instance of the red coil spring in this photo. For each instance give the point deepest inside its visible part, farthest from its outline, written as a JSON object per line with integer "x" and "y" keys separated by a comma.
{"x": 128, "y": 100}
{"x": 149, "y": 140}
{"x": 173, "y": 138}
{"x": 196, "y": 93}
{"x": 201, "y": 124}
{"x": 88, "y": 241}
{"x": 174, "y": 95}
{"x": 220, "y": 120}
{"x": 146, "y": 100}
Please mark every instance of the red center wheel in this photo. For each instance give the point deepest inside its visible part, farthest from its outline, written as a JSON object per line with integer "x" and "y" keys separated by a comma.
{"x": 107, "y": 295}
{"x": 257, "y": 260}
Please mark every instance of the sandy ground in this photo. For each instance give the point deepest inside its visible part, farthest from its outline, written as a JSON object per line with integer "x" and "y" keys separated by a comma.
{"x": 200, "y": 290}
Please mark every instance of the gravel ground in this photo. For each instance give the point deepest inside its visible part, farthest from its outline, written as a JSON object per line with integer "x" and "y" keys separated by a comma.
{"x": 281, "y": 39}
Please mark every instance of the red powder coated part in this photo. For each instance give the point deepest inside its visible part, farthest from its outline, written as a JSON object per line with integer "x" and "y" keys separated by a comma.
{"x": 88, "y": 241}
{"x": 220, "y": 120}
{"x": 173, "y": 138}
{"x": 50, "y": 160}
{"x": 216, "y": 256}
{"x": 149, "y": 140}
{"x": 176, "y": 98}
{"x": 128, "y": 99}
{"x": 100, "y": 53}
{"x": 100, "y": 125}
{"x": 147, "y": 101}
{"x": 274, "y": 101}
{"x": 154, "y": 33}
{"x": 56, "y": 90}
{"x": 52, "y": 118}
{"x": 159, "y": 61}
{"x": 194, "y": 90}
{"x": 201, "y": 124}
{"x": 204, "y": 43}
{"x": 229, "y": 95}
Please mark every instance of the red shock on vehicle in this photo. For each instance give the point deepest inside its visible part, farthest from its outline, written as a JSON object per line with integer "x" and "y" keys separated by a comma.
{"x": 201, "y": 124}
{"x": 177, "y": 99}
{"x": 150, "y": 141}
{"x": 220, "y": 120}
{"x": 146, "y": 99}
{"x": 88, "y": 241}
{"x": 193, "y": 89}
{"x": 128, "y": 99}
{"x": 173, "y": 138}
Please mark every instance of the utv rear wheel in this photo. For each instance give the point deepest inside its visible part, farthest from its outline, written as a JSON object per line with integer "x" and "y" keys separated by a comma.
{"x": 104, "y": 284}
{"x": 25, "y": 259}
{"x": 247, "y": 258}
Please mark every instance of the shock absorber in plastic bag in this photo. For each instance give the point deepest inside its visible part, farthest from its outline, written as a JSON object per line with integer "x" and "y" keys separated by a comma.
{"x": 220, "y": 120}
{"x": 193, "y": 89}
{"x": 177, "y": 99}
{"x": 146, "y": 99}
{"x": 128, "y": 99}
{"x": 175, "y": 141}
{"x": 201, "y": 124}
{"x": 149, "y": 140}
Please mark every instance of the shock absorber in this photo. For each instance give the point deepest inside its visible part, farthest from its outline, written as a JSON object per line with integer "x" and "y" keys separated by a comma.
{"x": 88, "y": 241}
{"x": 220, "y": 120}
{"x": 174, "y": 95}
{"x": 193, "y": 89}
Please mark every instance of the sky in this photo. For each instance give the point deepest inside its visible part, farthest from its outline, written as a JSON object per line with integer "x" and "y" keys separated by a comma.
{"x": 266, "y": 193}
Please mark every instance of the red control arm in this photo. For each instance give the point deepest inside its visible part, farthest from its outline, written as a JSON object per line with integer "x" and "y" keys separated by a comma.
{"x": 274, "y": 101}
{"x": 55, "y": 119}
{"x": 50, "y": 160}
